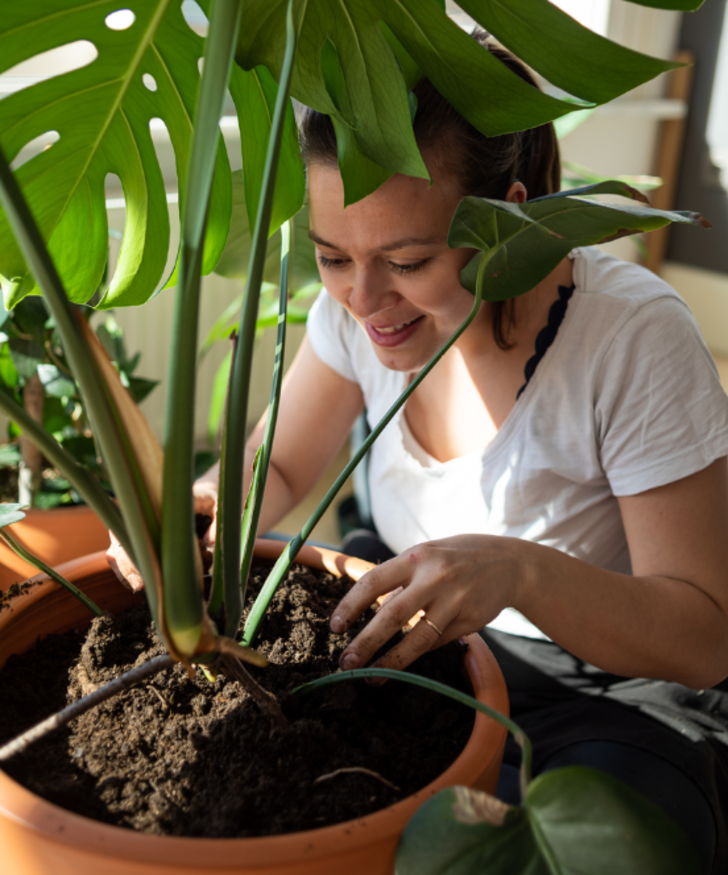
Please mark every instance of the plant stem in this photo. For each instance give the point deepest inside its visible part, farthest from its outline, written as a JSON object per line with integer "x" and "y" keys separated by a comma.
{"x": 436, "y": 687}
{"x": 41, "y": 566}
{"x": 32, "y": 457}
{"x": 236, "y": 419}
{"x": 266, "y": 701}
{"x": 62, "y": 718}
{"x": 251, "y": 516}
{"x": 181, "y": 587}
{"x": 288, "y": 555}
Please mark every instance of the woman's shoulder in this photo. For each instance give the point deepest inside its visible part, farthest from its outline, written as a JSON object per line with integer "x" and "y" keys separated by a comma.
{"x": 604, "y": 278}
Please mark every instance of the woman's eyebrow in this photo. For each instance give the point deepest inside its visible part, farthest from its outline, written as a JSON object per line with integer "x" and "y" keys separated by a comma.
{"x": 389, "y": 247}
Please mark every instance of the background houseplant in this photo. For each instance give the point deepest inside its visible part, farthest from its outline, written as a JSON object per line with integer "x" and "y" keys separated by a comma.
{"x": 356, "y": 63}
{"x": 35, "y": 374}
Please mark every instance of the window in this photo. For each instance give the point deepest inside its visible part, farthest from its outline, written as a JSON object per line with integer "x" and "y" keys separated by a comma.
{"x": 703, "y": 180}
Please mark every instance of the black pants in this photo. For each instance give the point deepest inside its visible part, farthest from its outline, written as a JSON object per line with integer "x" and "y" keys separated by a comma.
{"x": 637, "y": 761}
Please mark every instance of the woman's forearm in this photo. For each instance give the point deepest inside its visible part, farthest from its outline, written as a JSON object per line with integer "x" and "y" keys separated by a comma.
{"x": 642, "y": 626}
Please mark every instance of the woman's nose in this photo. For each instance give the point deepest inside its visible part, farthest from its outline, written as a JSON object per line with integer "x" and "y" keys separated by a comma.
{"x": 370, "y": 293}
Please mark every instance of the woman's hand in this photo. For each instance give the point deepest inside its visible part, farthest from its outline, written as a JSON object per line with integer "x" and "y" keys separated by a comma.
{"x": 460, "y": 584}
{"x": 204, "y": 492}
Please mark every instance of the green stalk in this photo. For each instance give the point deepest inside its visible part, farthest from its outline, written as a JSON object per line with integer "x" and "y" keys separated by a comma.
{"x": 236, "y": 419}
{"x": 217, "y": 593}
{"x": 108, "y": 429}
{"x": 436, "y": 687}
{"x": 251, "y": 515}
{"x": 182, "y": 598}
{"x": 41, "y": 566}
{"x": 87, "y": 486}
{"x": 285, "y": 560}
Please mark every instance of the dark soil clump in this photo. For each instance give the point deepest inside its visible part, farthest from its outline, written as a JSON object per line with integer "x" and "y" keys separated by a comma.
{"x": 193, "y": 757}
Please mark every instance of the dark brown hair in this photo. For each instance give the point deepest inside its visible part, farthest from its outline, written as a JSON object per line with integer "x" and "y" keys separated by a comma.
{"x": 485, "y": 166}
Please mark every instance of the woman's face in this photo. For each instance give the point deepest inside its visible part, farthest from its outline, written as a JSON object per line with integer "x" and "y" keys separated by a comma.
{"x": 386, "y": 259}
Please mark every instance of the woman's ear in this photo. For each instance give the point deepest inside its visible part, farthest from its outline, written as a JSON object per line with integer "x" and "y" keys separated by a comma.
{"x": 517, "y": 193}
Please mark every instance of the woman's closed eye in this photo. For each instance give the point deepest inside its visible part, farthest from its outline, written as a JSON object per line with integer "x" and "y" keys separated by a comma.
{"x": 397, "y": 267}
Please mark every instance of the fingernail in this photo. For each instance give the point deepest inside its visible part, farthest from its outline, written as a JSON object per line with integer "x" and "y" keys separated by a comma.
{"x": 337, "y": 625}
{"x": 350, "y": 661}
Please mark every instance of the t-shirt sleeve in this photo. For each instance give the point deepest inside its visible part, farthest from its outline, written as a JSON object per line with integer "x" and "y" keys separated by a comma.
{"x": 329, "y": 329}
{"x": 661, "y": 413}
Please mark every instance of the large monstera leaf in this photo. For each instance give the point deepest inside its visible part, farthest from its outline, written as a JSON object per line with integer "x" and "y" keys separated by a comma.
{"x": 375, "y": 39}
{"x": 102, "y": 113}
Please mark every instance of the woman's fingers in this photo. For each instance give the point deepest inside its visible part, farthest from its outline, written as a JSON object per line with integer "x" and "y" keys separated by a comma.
{"x": 420, "y": 640}
{"x": 380, "y": 581}
{"x": 122, "y": 566}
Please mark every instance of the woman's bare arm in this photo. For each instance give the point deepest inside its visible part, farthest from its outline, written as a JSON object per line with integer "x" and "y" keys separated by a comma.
{"x": 318, "y": 408}
{"x": 668, "y": 620}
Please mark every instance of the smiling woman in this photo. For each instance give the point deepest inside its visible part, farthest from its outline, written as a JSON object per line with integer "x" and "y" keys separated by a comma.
{"x": 556, "y": 482}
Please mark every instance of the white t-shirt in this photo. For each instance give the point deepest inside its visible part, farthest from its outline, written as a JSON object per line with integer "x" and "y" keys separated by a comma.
{"x": 626, "y": 398}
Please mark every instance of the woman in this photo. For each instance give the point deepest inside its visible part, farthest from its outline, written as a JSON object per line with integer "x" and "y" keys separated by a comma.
{"x": 558, "y": 481}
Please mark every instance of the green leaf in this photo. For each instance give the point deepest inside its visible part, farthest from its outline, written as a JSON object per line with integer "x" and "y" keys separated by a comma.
{"x": 140, "y": 387}
{"x": 8, "y": 371}
{"x": 55, "y": 383}
{"x": 236, "y": 255}
{"x": 10, "y": 513}
{"x": 102, "y": 113}
{"x": 361, "y": 175}
{"x": 254, "y": 94}
{"x": 479, "y": 86}
{"x": 575, "y": 821}
{"x": 30, "y": 317}
{"x": 562, "y": 50}
{"x": 523, "y": 244}
{"x": 217, "y": 398}
{"x": 26, "y": 355}
{"x": 492, "y": 98}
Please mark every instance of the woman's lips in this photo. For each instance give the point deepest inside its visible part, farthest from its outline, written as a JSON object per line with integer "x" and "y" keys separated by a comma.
{"x": 392, "y": 335}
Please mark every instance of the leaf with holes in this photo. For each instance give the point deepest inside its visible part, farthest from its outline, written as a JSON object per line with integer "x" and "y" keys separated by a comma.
{"x": 373, "y": 106}
{"x": 102, "y": 112}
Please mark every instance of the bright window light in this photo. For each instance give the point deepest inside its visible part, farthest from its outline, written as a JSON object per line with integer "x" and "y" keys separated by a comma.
{"x": 717, "y": 133}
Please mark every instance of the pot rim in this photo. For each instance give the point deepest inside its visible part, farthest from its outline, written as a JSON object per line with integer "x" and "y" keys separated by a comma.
{"x": 64, "y": 827}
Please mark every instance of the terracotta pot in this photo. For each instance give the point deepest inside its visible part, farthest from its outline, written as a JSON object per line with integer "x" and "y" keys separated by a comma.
{"x": 55, "y": 536}
{"x": 38, "y": 838}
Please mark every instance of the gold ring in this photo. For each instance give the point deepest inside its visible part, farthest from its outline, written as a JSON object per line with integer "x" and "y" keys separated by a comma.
{"x": 430, "y": 623}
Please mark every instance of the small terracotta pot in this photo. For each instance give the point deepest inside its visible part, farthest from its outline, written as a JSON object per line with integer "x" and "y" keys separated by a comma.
{"x": 37, "y": 838}
{"x": 55, "y": 536}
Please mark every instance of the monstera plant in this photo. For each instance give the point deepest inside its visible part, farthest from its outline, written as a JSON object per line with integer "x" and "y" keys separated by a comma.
{"x": 356, "y": 60}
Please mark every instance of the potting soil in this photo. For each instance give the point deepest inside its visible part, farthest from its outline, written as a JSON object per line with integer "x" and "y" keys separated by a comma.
{"x": 180, "y": 756}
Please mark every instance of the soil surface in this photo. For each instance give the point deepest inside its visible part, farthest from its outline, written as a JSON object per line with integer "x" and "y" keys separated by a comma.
{"x": 193, "y": 757}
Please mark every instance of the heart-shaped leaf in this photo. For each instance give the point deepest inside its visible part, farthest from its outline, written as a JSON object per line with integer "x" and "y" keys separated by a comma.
{"x": 574, "y": 821}
{"x": 524, "y": 243}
